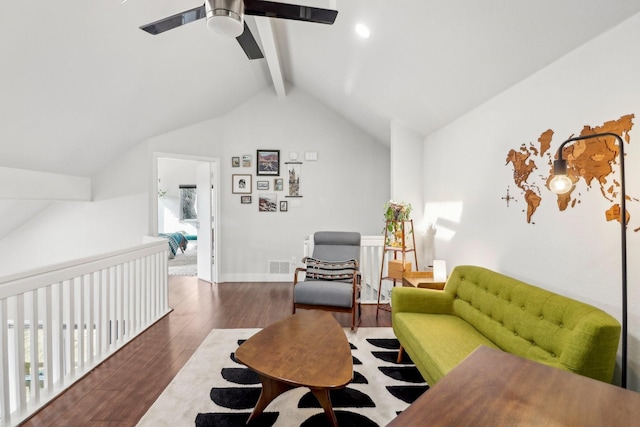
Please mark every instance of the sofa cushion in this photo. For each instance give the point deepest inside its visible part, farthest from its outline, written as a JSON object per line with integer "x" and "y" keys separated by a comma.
{"x": 448, "y": 339}
{"x": 532, "y": 322}
{"x": 502, "y": 312}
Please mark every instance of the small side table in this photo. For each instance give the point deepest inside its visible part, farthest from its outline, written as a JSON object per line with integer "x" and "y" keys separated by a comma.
{"x": 421, "y": 279}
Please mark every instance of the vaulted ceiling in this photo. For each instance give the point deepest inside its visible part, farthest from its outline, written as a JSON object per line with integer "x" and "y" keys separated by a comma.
{"x": 80, "y": 83}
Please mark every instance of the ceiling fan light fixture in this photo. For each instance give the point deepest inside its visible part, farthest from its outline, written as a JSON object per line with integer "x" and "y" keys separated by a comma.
{"x": 225, "y": 17}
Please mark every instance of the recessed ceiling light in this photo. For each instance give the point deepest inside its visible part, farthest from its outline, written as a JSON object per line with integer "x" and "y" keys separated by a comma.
{"x": 363, "y": 31}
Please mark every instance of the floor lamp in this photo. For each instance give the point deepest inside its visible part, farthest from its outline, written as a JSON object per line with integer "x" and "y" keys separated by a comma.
{"x": 561, "y": 184}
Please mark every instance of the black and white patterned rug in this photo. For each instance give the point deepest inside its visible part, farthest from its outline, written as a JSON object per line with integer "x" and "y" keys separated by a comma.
{"x": 214, "y": 390}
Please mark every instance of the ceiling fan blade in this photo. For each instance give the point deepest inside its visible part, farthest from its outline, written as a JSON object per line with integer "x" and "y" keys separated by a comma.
{"x": 174, "y": 21}
{"x": 289, "y": 11}
{"x": 249, "y": 44}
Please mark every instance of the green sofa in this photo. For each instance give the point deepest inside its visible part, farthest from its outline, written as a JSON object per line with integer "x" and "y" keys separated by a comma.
{"x": 438, "y": 329}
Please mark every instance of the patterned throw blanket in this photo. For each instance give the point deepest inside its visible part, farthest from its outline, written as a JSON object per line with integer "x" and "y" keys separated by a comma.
{"x": 176, "y": 240}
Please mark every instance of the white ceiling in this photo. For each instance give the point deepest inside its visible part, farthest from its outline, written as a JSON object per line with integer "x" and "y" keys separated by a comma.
{"x": 80, "y": 83}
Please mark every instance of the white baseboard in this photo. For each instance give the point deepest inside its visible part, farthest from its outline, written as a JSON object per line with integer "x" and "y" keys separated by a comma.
{"x": 255, "y": 277}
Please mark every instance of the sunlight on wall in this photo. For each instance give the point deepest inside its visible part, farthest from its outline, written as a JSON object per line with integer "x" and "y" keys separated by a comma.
{"x": 444, "y": 217}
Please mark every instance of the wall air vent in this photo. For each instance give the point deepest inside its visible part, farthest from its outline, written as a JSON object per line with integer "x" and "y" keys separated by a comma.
{"x": 279, "y": 267}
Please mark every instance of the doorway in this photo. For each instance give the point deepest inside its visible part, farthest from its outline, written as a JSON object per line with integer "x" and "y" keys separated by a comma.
{"x": 186, "y": 201}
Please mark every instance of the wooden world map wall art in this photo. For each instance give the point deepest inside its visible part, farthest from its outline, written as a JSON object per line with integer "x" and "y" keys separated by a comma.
{"x": 508, "y": 197}
{"x": 590, "y": 163}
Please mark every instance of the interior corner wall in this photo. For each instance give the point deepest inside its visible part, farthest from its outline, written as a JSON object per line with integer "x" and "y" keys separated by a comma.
{"x": 35, "y": 185}
{"x": 115, "y": 218}
{"x": 71, "y": 230}
{"x": 406, "y": 182}
{"x": 575, "y": 252}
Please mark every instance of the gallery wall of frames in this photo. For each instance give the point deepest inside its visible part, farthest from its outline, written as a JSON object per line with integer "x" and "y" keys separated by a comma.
{"x": 264, "y": 178}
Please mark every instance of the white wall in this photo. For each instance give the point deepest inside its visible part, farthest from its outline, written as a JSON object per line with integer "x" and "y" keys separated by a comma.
{"x": 345, "y": 189}
{"x": 34, "y": 185}
{"x": 574, "y": 252}
{"x": 406, "y": 184}
{"x": 71, "y": 230}
{"x": 171, "y": 174}
{"x": 63, "y": 230}
{"x": 25, "y": 193}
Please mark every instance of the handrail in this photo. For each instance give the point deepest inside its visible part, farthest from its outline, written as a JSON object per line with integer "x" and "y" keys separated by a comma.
{"x": 66, "y": 267}
{"x": 60, "y": 321}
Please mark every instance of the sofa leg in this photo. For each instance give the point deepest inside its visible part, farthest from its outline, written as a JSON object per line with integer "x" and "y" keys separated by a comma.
{"x": 399, "y": 360}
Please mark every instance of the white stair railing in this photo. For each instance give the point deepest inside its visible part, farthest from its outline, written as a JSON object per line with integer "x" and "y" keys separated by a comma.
{"x": 59, "y": 322}
{"x": 371, "y": 248}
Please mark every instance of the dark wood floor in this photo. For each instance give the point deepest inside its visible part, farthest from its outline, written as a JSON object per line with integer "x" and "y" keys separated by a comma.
{"x": 119, "y": 392}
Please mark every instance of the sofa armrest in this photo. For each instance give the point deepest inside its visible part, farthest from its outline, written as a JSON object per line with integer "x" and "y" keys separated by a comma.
{"x": 417, "y": 300}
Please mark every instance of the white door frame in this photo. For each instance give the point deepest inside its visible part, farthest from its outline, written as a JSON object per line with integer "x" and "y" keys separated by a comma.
{"x": 204, "y": 223}
{"x": 215, "y": 181}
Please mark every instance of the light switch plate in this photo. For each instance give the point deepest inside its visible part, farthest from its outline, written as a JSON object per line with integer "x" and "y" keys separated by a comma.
{"x": 311, "y": 156}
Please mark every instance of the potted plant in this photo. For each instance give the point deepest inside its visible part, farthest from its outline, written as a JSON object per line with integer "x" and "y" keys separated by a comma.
{"x": 395, "y": 213}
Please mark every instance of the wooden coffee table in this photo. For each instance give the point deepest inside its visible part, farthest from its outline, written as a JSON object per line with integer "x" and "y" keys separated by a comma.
{"x": 308, "y": 349}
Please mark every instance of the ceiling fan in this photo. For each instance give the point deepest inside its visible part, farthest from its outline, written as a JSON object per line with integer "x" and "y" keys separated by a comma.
{"x": 227, "y": 17}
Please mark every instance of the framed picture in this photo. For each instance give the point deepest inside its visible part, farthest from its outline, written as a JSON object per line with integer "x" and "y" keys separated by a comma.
{"x": 267, "y": 203}
{"x": 245, "y": 200}
{"x": 188, "y": 203}
{"x": 268, "y": 162}
{"x": 241, "y": 184}
{"x": 278, "y": 184}
{"x": 263, "y": 185}
{"x": 235, "y": 162}
{"x": 246, "y": 160}
{"x": 293, "y": 171}
{"x": 284, "y": 206}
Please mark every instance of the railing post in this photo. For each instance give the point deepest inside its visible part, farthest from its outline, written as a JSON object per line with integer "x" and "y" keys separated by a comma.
{"x": 34, "y": 347}
{"x": 48, "y": 338}
{"x": 5, "y": 402}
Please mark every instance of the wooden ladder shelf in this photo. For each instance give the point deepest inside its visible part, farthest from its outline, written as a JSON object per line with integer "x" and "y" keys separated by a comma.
{"x": 395, "y": 243}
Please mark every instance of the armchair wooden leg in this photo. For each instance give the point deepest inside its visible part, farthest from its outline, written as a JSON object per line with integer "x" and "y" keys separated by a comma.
{"x": 353, "y": 319}
{"x": 399, "y": 360}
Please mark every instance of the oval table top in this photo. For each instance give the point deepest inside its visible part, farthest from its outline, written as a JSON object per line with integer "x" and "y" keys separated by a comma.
{"x": 308, "y": 349}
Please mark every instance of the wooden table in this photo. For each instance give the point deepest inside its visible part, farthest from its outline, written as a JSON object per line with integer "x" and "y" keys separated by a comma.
{"x": 494, "y": 388}
{"x": 421, "y": 279}
{"x": 308, "y": 349}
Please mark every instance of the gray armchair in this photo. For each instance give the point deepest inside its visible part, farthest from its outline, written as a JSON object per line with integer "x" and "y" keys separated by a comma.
{"x": 332, "y": 280}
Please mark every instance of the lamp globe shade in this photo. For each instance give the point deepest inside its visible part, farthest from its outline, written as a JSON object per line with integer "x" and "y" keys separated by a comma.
{"x": 561, "y": 184}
